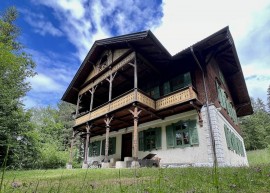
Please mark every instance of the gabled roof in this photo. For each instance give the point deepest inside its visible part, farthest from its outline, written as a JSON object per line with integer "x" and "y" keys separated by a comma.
{"x": 220, "y": 44}
{"x": 222, "y": 47}
{"x": 144, "y": 41}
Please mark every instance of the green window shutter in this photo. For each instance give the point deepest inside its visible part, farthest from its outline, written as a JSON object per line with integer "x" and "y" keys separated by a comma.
{"x": 238, "y": 147}
{"x": 166, "y": 88}
{"x": 241, "y": 148}
{"x": 234, "y": 142}
{"x": 194, "y": 139}
{"x": 158, "y": 137}
{"x": 141, "y": 141}
{"x": 230, "y": 140}
{"x": 155, "y": 92}
{"x": 224, "y": 99}
{"x": 98, "y": 148}
{"x": 228, "y": 106}
{"x": 227, "y": 136}
{"x": 112, "y": 146}
{"x": 90, "y": 148}
{"x": 219, "y": 93}
{"x": 103, "y": 147}
{"x": 170, "y": 136}
{"x": 187, "y": 79}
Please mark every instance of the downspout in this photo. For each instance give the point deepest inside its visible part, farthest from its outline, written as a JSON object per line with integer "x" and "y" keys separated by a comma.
{"x": 207, "y": 108}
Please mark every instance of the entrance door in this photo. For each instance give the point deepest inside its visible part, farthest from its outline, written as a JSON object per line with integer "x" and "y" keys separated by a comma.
{"x": 126, "y": 145}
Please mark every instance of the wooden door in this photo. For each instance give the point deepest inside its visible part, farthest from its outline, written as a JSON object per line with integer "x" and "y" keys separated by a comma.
{"x": 126, "y": 145}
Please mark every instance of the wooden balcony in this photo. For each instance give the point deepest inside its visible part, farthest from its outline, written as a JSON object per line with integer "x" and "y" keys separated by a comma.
{"x": 130, "y": 97}
{"x": 176, "y": 98}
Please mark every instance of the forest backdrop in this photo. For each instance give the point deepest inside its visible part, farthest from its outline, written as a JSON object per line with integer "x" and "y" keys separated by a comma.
{"x": 40, "y": 137}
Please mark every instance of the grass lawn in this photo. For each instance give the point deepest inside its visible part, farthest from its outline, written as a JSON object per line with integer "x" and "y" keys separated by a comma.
{"x": 146, "y": 180}
{"x": 259, "y": 157}
{"x": 255, "y": 178}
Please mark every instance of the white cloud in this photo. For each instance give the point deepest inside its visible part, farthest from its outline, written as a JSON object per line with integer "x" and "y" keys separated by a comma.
{"x": 40, "y": 24}
{"x": 85, "y": 22}
{"x": 43, "y": 83}
{"x": 183, "y": 24}
{"x": 187, "y": 22}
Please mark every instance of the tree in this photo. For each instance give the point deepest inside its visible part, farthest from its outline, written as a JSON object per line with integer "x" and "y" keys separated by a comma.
{"x": 268, "y": 99}
{"x": 54, "y": 127}
{"x": 15, "y": 67}
{"x": 256, "y": 127}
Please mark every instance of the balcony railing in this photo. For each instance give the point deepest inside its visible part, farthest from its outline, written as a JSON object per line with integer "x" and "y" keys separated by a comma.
{"x": 175, "y": 98}
{"x": 128, "y": 98}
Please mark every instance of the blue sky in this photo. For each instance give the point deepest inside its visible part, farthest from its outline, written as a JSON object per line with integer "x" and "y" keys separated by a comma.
{"x": 59, "y": 33}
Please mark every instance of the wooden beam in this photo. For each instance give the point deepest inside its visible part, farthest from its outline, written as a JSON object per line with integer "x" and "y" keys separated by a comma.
{"x": 145, "y": 61}
{"x": 152, "y": 113}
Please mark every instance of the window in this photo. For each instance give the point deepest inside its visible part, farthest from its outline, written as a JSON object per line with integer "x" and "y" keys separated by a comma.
{"x": 112, "y": 146}
{"x": 226, "y": 104}
{"x": 182, "y": 134}
{"x": 181, "y": 81}
{"x": 233, "y": 142}
{"x": 94, "y": 149}
{"x": 166, "y": 88}
{"x": 150, "y": 139}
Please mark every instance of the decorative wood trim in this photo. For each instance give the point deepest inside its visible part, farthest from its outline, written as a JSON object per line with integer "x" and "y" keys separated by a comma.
{"x": 174, "y": 99}
{"x": 114, "y": 69}
{"x": 145, "y": 100}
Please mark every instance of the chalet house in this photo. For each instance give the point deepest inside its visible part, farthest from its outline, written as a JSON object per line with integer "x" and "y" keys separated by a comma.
{"x": 134, "y": 99}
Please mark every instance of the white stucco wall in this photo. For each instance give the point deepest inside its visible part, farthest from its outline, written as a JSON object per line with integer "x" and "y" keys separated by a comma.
{"x": 187, "y": 155}
{"x": 225, "y": 156}
{"x": 198, "y": 155}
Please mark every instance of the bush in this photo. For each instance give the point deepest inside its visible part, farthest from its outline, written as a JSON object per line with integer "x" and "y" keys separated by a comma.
{"x": 51, "y": 157}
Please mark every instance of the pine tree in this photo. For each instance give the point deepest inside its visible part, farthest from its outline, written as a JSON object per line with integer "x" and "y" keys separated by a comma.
{"x": 15, "y": 67}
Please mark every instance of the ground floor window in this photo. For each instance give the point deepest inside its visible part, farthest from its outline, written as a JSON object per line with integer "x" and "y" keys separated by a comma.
{"x": 150, "y": 139}
{"x": 233, "y": 142}
{"x": 94, "y": 149}
{"x": 181, "y": 134}
{"x": 112, "y": 146}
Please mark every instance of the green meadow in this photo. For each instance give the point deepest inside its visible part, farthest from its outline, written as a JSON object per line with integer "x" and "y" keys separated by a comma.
{"x": 255, "y": 178}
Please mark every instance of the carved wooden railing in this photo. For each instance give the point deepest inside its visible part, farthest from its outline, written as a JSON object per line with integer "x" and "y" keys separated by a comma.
{"x": 142, "y": 98}
{"x": 115, "y": 104}
{"x": 176, "y": 98}
{"x": 130, "y": 97}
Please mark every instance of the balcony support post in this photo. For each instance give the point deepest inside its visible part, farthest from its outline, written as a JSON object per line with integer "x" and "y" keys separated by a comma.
{"x": 88, "y": 133}
{"x": 135, "y": 77}
{"x": 92, "y": 92}
{"x": 110, "y": 80}
{"x": 107, "y": 121}
{"x": 78, "y": 103}
{"x": 135, "y": 114}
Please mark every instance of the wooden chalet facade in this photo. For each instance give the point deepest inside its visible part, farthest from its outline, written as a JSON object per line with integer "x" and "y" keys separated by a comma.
{"x": 133, "y": 98}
